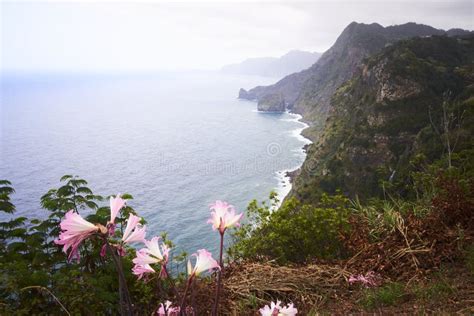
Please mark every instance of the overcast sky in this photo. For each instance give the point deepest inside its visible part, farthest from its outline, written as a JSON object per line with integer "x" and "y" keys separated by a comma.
{"x": 165, "y": 35}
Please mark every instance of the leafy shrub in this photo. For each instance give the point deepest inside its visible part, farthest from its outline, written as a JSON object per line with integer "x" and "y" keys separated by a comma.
{"x": 294, "y": 233}
{"x": 387, "y": 295}
{"x": 380, "y": 216}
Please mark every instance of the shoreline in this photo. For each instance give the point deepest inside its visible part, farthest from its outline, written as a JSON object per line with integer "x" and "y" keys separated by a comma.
{"x": 284, "y": 176}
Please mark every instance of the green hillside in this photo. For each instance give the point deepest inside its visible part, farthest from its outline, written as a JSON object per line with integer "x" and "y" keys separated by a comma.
{"x": 380, "y": 120}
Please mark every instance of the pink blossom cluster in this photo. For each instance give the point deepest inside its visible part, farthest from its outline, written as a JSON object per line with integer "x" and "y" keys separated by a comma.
{"x": 155, "y": 254}
{"x": 370, "y": 279}
{"x": 75, "y": 229}
{"x": 276, "y": 309}
{"x": 223, "y": 216}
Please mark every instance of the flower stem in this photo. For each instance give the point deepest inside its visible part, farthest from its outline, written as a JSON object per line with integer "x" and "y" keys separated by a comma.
{"x": 183, "y": 300}
{"x": 125, "y": 307}
{"x": 219, "y": 278}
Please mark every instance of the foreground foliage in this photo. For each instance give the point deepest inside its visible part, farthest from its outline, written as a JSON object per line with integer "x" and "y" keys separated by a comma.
{"x": 295, "y": 233}
{"x": 36, "y": 275}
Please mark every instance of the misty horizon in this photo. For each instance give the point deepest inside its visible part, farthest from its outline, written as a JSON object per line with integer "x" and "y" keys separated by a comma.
{"x": 146, "y": 37}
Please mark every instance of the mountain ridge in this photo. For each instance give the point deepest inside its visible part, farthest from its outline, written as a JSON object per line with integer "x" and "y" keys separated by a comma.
{"x": 309, "y": 92}
{"x": 293, "y": 61}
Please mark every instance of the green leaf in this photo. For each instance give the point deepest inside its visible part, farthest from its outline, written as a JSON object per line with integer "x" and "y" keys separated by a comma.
{"x": 66, "y": 177}
{"x": 7, "y": 207}
{"x": 78, "y": 182}
{"x": 84, "y": 190}
{"x": 17, "y": 233}
{"x": 127, "y": 196}
{"x": 17, "y": 246}
{"x": 65, "y": 190}
{"x": 91, "y": 205}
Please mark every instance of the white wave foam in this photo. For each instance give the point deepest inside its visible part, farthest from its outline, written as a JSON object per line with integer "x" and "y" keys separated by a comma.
{"x": 284, "y": 183}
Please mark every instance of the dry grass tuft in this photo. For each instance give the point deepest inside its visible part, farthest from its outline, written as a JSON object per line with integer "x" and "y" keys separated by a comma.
{"x": 307, "y": 285}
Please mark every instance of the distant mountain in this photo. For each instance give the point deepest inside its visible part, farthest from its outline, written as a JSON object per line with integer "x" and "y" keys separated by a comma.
{"x": 309, "y": 92}
{"x": 289, "y": 63}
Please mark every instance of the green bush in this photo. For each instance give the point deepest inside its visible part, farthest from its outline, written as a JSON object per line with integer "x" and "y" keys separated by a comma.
{"x": 387, "y": 295}
{"x": 294, "y": 233}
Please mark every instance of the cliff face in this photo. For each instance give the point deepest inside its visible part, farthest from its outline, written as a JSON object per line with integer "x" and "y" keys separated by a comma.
{"x": 309, "y": 92}
{"x": 272, "y": 103}
{"x": 288, "y": 87}
{"x": 380, "y": 119}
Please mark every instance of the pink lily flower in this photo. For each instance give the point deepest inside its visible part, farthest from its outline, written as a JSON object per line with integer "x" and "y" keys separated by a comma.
{"x": 223, "y": 216}
{"x": 204, "y": 261}
{"x": 153, "y": 248}
{"x": 167, "y": 310}
{"x": 140, "y": 270}
{"x": 289, "y": 310}
{"x": 152, "y": 255}
{"x": 143, "y": 258}
{"x": 134, "y": 232}
{"x": 275, "y": 309}
{"x": 353, "y": 279}
{"x": 74, "y": 230}
{"x": 368, "y": 280}
{"x": 164, "y": 271}
{"x": 270, "y": 310}
{"x": 116, "y": 203}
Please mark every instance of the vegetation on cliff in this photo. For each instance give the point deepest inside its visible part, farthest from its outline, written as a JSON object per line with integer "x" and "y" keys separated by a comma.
{"x": 397, "y": 145}
{"x": 388, "y": 122}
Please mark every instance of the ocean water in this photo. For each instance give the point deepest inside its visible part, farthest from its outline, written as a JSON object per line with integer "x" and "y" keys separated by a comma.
{"x": 175, "y": 141}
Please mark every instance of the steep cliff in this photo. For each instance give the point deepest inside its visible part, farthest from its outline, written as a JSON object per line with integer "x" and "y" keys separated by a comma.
{"x": 387, "y": 114}
{"x": 272, "y": 103}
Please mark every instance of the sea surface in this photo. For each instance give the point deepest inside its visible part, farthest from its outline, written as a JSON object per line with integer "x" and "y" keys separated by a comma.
{"x": 175, "y": 141}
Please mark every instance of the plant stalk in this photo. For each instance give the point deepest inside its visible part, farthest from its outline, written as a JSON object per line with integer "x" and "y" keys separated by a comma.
{"x": 125, "y": 300}
{"x": 183, "y": 300}
{"x": 219, "y": 278}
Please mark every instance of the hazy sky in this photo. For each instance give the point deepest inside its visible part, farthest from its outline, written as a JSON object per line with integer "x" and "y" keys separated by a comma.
{"x": 150, "y": 35}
